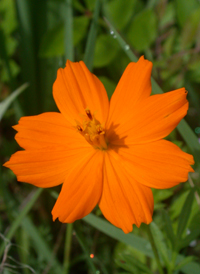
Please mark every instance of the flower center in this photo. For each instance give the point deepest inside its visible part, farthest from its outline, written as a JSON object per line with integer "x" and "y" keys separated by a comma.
{"x": 93, "y": 131}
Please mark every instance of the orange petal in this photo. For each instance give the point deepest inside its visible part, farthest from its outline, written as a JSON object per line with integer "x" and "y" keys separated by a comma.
{"x": 81, "y": 190}
{"x": 124, "y": 201}
{"x": 153, "y": 119}
{"x": 45, "y": 168}
{"x": 159, "y": 164}
{"x": 133, "y": 87}
{"x": 48, "y": 130}
{"x": 53, "y": 148}
{"x": 76, "y": 89}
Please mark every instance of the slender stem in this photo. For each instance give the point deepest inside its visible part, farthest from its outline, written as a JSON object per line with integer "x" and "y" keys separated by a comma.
{"x": 151, "y": 239}
{"x": 68, "y": 241}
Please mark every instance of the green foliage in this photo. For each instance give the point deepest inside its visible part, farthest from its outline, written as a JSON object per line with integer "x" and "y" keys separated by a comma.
{"x": 131, "y": 264}
{"x": 184, "y": 9}
{"x": 120, "y": 12}
{"x": 106, "y": 50}
{"x": 142, "y": 30}
{"x": 53, "y": 42}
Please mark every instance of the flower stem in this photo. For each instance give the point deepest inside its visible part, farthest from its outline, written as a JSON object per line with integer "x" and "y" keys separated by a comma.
{"x": 68, "y": 241}
{"x": 151, "y": 239}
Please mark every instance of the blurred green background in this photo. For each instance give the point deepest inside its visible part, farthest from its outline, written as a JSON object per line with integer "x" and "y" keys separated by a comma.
{"x": 36, "y": 38}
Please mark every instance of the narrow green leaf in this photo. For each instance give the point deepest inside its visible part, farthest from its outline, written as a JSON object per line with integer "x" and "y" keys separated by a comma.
{"x": 168, "y": 227}
{"x": 185, "y": 214}
{"x": 20, "y": 217}
{"x": 116, "y": 233}
{"x": 122, "y": 43}
{"x": 129, "y": 263}
{"x": 6, "y": 103}
{"x": 190, "y": 237}
{"x": 68, "y": 30}
{"x": 53, "y": 41}
{"x": 159, "y": 242}
{"x": 90, "y": 45}
{"x": 3, "y": 52}
{"x": 184, "y": 262}
{"x": 190, "y": 138}
{"x": 28, "y": 59}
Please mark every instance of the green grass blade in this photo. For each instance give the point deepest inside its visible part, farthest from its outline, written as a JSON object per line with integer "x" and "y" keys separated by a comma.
{"x": 168, "y": 227}
{"x": 17, "y": 222}
{"x": 183, "y": 128}
{"x": 160, "y": 243}
{"x": 121, "y": 42}
{"x": 68, "y": 30}
{"x": 130, "y": 239}
{"x": 190, "y": 138}
{"x": 6, "y": 103}
{"x": 27, "y": 56}
{"x": 4, "y": 56}
{"x": 90, "y": 45}
{"x": 185, "y": 214}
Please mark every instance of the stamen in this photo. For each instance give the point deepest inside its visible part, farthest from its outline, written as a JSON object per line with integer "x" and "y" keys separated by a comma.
{"x": 79, "y": 128}
{"x": 99, "y": 129}
{"x": 93, "y": 131}
{"x": 89, "y": 115}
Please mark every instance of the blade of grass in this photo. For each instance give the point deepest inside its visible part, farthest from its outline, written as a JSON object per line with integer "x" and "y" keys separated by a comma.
{"x": 17, "y": 222}
{"x": 90, "y": 45}
{"x": 183, "y": 128}
{"x": 6, "y": 103}
{"x": 168, "y": 227}
{"x": 160, "y": 243}
{"x": 4, "y": 56}
{"x": 155, "y": 251}
{"x": 27, "y": 56}
{"x": 68, "y": 30}
{"x": 184, "y": 216}
{"x": 130, "y": 239}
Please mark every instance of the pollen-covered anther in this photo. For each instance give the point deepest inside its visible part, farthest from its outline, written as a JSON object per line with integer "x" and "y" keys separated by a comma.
{"x": 100, "y": 130}
{"x": 79, "y": 128}
{"x": 93, "y": 131}
{"x": 89, "y": 115}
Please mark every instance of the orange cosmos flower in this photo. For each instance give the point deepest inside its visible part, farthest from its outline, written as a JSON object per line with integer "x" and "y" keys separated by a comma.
{"x": 104, "y": 153}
